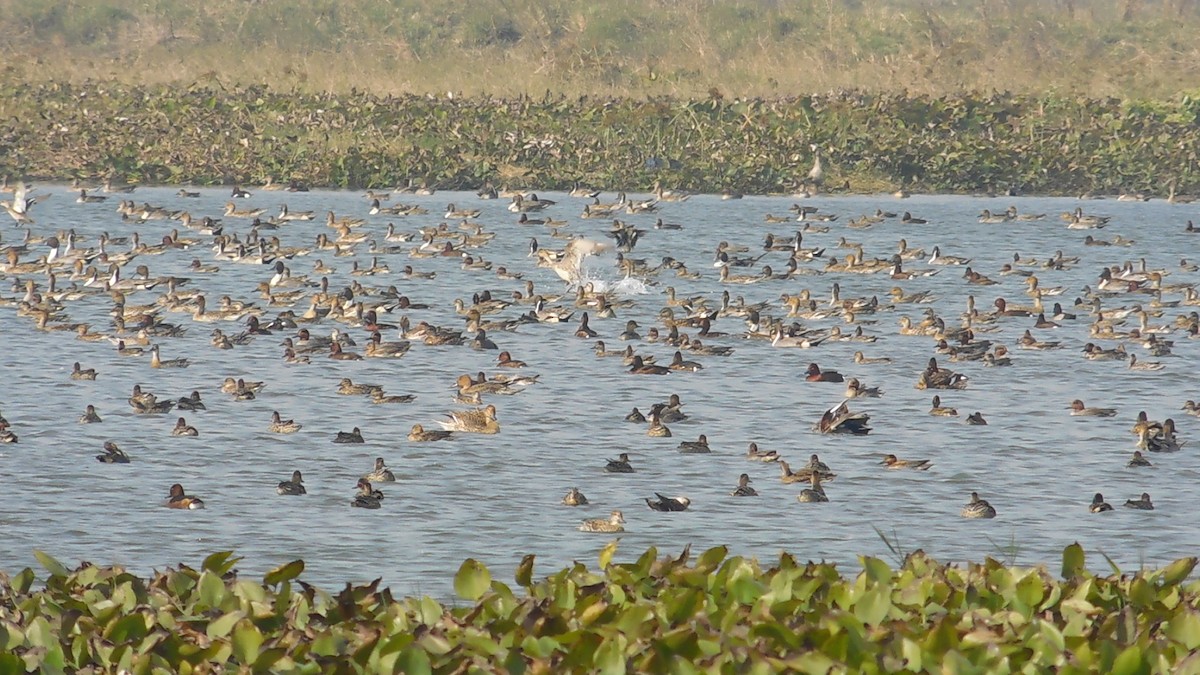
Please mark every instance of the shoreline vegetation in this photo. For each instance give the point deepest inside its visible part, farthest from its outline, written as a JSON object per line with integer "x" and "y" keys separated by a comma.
{"x": 1044, "y": 144}
{"x": 655, "y": 614}
{"x": 643, "y": 48}
{"x": 1075, "y": 97}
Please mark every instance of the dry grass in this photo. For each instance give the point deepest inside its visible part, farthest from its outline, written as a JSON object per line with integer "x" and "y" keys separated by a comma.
{"x": 622, "y": 47}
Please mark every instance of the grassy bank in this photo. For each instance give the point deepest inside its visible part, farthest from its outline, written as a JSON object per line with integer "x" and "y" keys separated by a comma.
{"x": 878, "y": 142}
{"x": 1142, "y": 48}
{"x": 672, "y": 614}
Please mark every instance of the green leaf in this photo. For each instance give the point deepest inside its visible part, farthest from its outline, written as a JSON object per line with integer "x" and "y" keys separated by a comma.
{"x": 221, "y": 627}
{"x": 430, "y": 611}
{"x": 1131, "y": 662}
{"x": 269, "y": 658}
{"x": 873, "y": 606}
{"x": 414, "y": 661}
{"x": 610, "y": 657}
{"x": 1185, "y": 629}
{"x": 1178, "y": 571}
{"x": 1030, "y": 591}
{"x": 607, "y": 552}
{"x": 212, "y": 590}
{"x": 220, "y": 562}
{"x": 284, "y": 573}
{"x": 711, "y": 558}
{"x": 877, "y": 570}
{"x": 746, "y": 589}
{"x": 131, "y": 627}
{"x": 55, "y": 568}
{"x": 247, "y": 641}
{"x": 472, "y": 580}
{"x": 1073, "y": 561}
{"x": 912, "y": 654}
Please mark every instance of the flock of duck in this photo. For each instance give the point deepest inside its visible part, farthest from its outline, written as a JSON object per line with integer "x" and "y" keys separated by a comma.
{"x": 54, "y": 268}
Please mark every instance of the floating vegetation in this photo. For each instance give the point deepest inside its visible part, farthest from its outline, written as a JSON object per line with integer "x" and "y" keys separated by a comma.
{"x": 655, "y": 614}
{"x": 877, "y": 142}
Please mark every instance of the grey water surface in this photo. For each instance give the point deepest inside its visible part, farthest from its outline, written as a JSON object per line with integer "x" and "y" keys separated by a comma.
{"x": 496, "y": 498}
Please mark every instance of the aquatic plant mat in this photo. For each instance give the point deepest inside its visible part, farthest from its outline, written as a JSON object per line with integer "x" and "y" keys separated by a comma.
{"x": 679, "y": 614}
{"x": 877, "y": 142}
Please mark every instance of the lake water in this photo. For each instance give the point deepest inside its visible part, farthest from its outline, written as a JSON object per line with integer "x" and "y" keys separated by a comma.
{"x": 496, "y": 498}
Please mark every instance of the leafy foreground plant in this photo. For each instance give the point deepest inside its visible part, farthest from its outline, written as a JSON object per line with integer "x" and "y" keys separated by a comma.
{"x": 718, "y": 614}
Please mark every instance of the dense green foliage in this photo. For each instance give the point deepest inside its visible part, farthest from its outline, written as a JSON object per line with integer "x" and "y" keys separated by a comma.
{"x": 1042, "y": 144}
{"x": 716, "y": 614}
{"x": 1143, "y": 48}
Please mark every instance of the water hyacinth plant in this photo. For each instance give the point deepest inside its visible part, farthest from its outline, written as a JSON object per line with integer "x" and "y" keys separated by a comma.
{"x": 655, "y": 614}
{"x": 877, "y": 142}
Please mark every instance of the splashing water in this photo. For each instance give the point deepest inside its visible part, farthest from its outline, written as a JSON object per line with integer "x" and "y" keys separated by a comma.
{"x": 625, "y": 287}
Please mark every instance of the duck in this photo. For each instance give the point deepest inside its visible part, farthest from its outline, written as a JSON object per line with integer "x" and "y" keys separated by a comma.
{"x": 338, "y": 354}
{"x": 367, "y": 497}
{"x": 753, "y": 453}
{"x": 347, "y": 387}
{"x": 90, "y": 416}
{"x": 191, "y": 402}
{"x": 839, "y": 420}
{"x": 295, "y": 486}
{"x": 1144, "y": 366}
{"x": 183, "y": 429}
{"x": 814, "y": 494}
{"x": 743, "y": 488}
{"x": 232, "y": 386}
{"x": 1098, "y": 504}
{"x": 976, "y": 419}
{"x": 978, "y": 508}
{"x": 856, "y": 389}
{"x": 697, "y": 446}
{"x": 1138, "y": 460}
{"x": 178, "y": 499}
{"x": 419, "y": 434}
{"x": 639, "y": 366}
{"x": 353, "y": 436}
{"x": 377, "y": 348}
{"x": 505, "y": 360}
{"x": 1142, "y": 504}
{"x": 1161, "y": 438}
{"x": 282, "y": 426}
{"x": 862, "y": 359}
{"x": 657, "y": 429}
{"x": 1027, "y": 341}
{"x": 478, "y": 420}
{"x": 636, "y": 417}
{"x": 934, "y": 377}
{"x": 936, "y": 258}
{"x": 614, "y": 523}
{"x": 574, "y": 498}
{"x": 584, "y": 331}
{"x": 1077, "y": 408}
{"x": 678, "y": 363}
{"x": 80, "y": 373}
{"x": 380, "y": 474}
{"x": 893, "y": 462}
{"x": 150, "y": 405}
{"x": 664, "y": 503}
{"x": 815, "y": 374}
{"x": 112, "y": 454}
{"x": 482, "y": 342}
{"x": 619, "y": 465}
{"x": 804, "y": 475}
{"x": 125, "y": 350}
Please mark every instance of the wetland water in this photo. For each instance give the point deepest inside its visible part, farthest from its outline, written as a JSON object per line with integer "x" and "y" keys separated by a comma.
{"x": 496, "y": 498}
